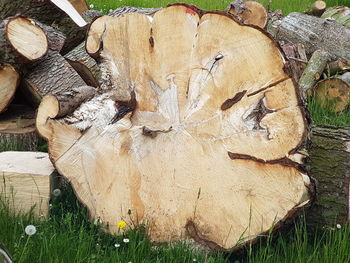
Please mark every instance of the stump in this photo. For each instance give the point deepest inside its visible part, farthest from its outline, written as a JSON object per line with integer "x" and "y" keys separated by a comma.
{"x": 196, "y": 130}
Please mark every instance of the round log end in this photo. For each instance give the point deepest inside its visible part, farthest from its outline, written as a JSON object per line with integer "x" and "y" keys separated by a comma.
{"x": 48, "y": 109}
{"x": 9, "y": 80}
{"x": 254, "y": 13}
{"x": 27, "y": 39}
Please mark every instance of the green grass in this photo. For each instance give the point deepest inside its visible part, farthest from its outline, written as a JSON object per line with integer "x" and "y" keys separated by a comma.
{"x": 68, "y": 236}
{"x": 286, "y": 5}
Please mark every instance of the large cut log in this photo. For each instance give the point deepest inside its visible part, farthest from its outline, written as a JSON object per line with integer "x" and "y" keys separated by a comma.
{"x": 249, "y": 12}
{"x": 314, "y": 33}
{"x": 84, "y": 65}
{"x": 15, "y": 31}
{"x": 341, "y": 14}
{"x": 200, "y": 85}
{"x": 17, "y": 129}
{"x": 9, "y": 81}
{"x": 330, "y": 166}
{"x": 53, "y": 75}
{"x": 333, "y": 93}
{"x": 25, "y": 181}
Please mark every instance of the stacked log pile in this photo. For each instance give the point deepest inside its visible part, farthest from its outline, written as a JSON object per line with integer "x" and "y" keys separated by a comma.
{"x": 134, "y": 119}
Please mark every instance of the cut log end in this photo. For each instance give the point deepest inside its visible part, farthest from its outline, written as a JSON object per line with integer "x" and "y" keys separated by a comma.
{"x": 252, "y": 13}
{"x": 185, "y": 100}
{"x": 9, "y": 81}
{"x": 22, "y": 30}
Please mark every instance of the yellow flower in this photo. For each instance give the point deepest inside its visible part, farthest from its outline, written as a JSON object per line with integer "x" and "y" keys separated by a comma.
{"x": 121, "y": 224}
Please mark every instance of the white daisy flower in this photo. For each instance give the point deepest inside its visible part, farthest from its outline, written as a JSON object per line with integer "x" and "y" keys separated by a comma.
{"x": 126, "y": 240}
{"x": 117, "y": 245}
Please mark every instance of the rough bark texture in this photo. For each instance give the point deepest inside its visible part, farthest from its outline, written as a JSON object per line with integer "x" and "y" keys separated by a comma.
{"x": 130, "y": 9}
{"x": 330, "y": 166}
{"x": 297, "y": 59}
{"x": 236, "y": 133}
{"x": 53, "y": 75}
{"x": 341, "y": 14}
{"x": 25, "y": 181}
{"x": 333, "y": 93}
{"x": 9, "y": 81}
{"x": 84, "y": 65}
{"x": 15, "y": 31}
{"x": 317, "y": 8}
{"x": 249, "y": 12}
{"x": 314, "y": 33}
{"x": 312, "y": 72}
{"x": 17, "y": 129}
{"x": 55, "y": 38}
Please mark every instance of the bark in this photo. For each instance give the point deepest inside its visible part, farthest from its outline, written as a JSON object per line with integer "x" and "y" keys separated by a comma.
{"x": 84, "y": 65}
{"x": 312, "y": 72}
{"x": 15, "y": 31}
{"x": 17, "y": 129}
{"x": 334, "y": 93}
{"x": 9, "y": 81}
{"x": 234, "y": 133}
{"x": 334, "y": 67}
{"x": 330, "y": 166}
{"x": 53, "y": 75}
{"x": 56, "y": 38}
{"x": 25, "y": 181}
{"x": 249, "y": 12}
{"x": 314, "y": 33}
{"x": 317, "y": 8}
{"x": 130, "y": 9}
{"x": 297, "y": 59}
{"x": 341, "y": 14}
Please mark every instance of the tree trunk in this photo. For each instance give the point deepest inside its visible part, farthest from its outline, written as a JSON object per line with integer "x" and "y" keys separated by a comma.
{"x": 84, "y": 65}
{"x": 249, "y": 12}
{"x": 236, "y": 130}
{"x": 333, "y": 93}
{"x": 313, "y": 72}
{"x": 330, "y": 166}
{"x": 9, "y": 81}
{"x": 314, "y": 33}
{"x": 17, "y": 129}
{"x": 14, "y": 32}
{"x": 25, "y": 181}
{"x": 297, "y": 59}
{"x": 53, "y": 75}
{"x": 341, "y": 14}
{"x": 317, "y": 8}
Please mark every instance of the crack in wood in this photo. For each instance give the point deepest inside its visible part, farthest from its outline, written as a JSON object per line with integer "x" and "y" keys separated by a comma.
{"x": 268, "y": 86}
{"x": 230, "y": 102}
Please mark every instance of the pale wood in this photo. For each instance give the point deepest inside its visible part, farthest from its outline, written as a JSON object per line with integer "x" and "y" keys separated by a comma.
{"x": 313, "y": 72}
{"x": 80, "y": 5}
{"x": 314, "y": 33}
{"x": 249, "y": 12}
{"x": 183, "y": 136}
{"x": 333, "y": 93}
{"x": 15, "y": 31}
{"x": 25, "y": 181}
{"x": 9, "y": 81}
{"x": 341, "y": 14}
{"x": 317, "y": 8}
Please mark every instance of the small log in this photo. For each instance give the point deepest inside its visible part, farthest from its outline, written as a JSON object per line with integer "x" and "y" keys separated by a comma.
{"x": 314, "y": 33}
{"x": 334, "y": 67}
{"x": 17, "y": 129}
{"x": 329, "y": 165}
{"x": 9, "y": 81}
{"x": 341, "y": 14}
{"x": 53, "y": 75}
{"x": 249, "y": 12}
{"x": 297, "y": 59}
{"x": 84, "y": 65}
{"x": 14, "y": 32}
{"x": 313, "y": 72}
{"x": 317, "y": 8}
{"x": 56, "y": 38}
{"x": 25, "y": 181}
{"x": 333, "y": 93}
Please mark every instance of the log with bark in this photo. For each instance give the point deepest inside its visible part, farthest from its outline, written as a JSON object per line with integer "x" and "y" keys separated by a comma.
{"x": 330, "y": 166}
{"x": 297, "y": 59}
{"x": 337, "y": 66}
{"x": 17, "y": 129}
{"x": 25, "y": 181}
{"x": 249, "y": 12}
{"x": 333, "y": 93}
{"x": 317, "y": 8}
{"x": 341, "y": 14}
{"x": 14, "y": 31}
{"x": 314, "y": 33}
{"x": 196, "y": 131}
{"x": 9, "y": 81}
